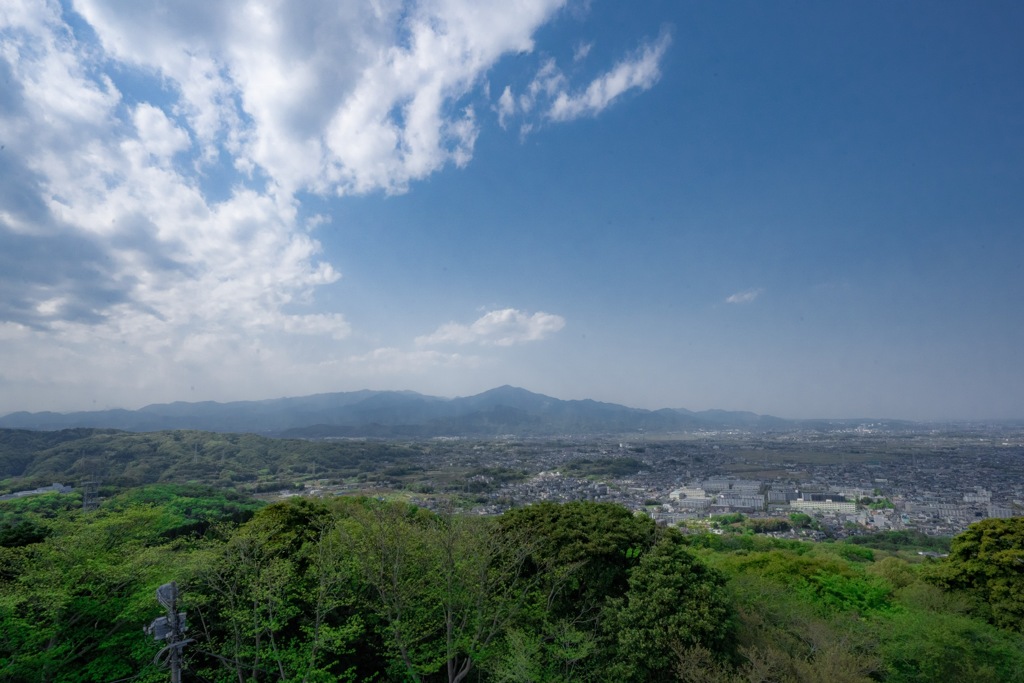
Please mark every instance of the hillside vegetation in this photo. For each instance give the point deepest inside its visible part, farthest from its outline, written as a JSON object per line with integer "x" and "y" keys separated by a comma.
{"x": 241, "y": 461}
{"x": 358, "y": 589}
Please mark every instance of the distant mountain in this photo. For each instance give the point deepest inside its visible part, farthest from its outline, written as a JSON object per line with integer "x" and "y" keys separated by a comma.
{"x": 503, "y": 410}
{"x": 743, "y": 419}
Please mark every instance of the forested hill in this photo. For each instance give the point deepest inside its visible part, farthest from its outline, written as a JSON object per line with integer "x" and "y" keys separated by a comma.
{"x": 504, "y": 410}
{"x": 357, "y": 589}
{"x": 126, "y": 459}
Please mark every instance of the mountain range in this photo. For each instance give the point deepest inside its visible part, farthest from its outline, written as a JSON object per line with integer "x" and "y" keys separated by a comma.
{"x": 504, "y": 410}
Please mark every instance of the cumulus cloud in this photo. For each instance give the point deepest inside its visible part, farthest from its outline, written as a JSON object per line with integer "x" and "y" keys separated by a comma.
{"x": 129, "y": 231}
{"x": 503, "y": 327}
{"x": 157, "y": 134}
{"x": 346, "y": 97}
{"x": 744, "y": 297}
{"x": 116, "y": 247}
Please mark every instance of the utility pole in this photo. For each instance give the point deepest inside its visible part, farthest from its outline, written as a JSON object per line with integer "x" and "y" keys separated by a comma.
{"x": 170, "y": 628}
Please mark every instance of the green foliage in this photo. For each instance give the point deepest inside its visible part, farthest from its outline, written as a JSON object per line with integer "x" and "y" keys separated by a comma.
{"x": 902, "y": 540}
{"x": 745, "y": 542}
{"x": 276, "y": 600}
{"x": 898, "y": 573}
{"x": 824, "y": 614}
{"x": 76, "y": 587}
{"x": 802, "y": 520}
{"x": 351, "y": 589}
{"x": 500, "y": 475}
{"x": 781, "y": 635}
{"x": 445, "y": 586}
{"x": 125, "y": 460}
{"x": 761, "y": 525}
{"x": 42, "y": 506}
{"x": 18, "y": 449}
{"x": 673, "y": 600}
{"x": 188, "y": 508}
{"x": 825, "y": 581}
{"x": 854, "y": 553}
{"x": 610, "y": 596}
{"x": 29, "y": 520}
{"x": 21, "y": 533}
{"x": 73, "y": 609}
{"x": 727, "y": 519}
{"x": 583, "y": 550}
{"x": 987, "y": 561}
{"x": 921, "y": 647}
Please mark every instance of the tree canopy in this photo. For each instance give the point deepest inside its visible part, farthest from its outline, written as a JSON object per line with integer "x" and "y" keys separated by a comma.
{"x": 354, "y": 589}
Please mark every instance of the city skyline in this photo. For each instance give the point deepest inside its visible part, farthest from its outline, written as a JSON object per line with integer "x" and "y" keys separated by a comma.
{"x": 793, "y": 209}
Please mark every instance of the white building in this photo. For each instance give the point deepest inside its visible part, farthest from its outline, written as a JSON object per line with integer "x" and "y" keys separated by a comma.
{"x": 828, "y": 505}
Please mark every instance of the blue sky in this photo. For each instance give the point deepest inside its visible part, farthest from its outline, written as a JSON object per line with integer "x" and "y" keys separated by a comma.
{"x": 797, "y": 208}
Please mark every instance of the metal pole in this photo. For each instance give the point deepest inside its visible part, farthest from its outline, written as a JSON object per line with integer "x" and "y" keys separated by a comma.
{"x": 172, "y": 613}
{"x": 175, "y": 665}
{"x": 170, "y": 628}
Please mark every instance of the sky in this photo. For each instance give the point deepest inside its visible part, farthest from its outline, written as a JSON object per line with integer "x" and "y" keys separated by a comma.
{"x": 795, "y": 208}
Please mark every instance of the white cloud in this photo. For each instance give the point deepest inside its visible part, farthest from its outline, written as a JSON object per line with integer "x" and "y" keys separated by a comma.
{"x": 503, "y": 327}
{"x": 547, "y": 85}
{"x": 114, "y": 250}
{"x": 157, "y": 134}
{"x": 346, "y": 97}
{"x": 109, "y": 251}
{"x": 744, "y": 297}
{"x": 333, "y": 325}
{"x": 580, "y": 52}
{"x": 552, "y": 95}
{"x": 638, "y": 71}
{"x": 506, "y": 106}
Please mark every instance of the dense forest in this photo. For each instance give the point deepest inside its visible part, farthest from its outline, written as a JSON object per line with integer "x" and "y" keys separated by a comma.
{"x": 125, "y": 459}
{"x": 356, "y": 588}
{"x": 243, "y": 462}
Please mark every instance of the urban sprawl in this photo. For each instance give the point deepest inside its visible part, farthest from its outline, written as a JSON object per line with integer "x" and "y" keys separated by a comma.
{"x": 851, "y": 481}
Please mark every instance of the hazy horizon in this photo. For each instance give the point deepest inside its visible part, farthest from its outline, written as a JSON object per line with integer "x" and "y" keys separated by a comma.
{"x": 562, "y": 398}
{"x": 804, "y": 210}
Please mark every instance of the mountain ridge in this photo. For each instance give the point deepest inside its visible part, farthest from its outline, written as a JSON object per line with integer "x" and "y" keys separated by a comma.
{"x": 501, "y": 410}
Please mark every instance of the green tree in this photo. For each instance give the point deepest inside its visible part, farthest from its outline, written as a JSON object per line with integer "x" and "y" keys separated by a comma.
{"x": 446, "y": 585}
{"x": 277, "y": 601}
{"x": 393, "y": 557}
{"x": 920, "y": 647}
{"x": 580, "y": 556}
{"x": 987, "y": 560}
{"x": 802, "y": 520}
{"x": 584, "y": 551}
{"x": 674, "y": 601}
{"x": 72, "y": 606}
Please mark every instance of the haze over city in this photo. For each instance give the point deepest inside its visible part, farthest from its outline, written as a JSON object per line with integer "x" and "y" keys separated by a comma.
{"x": 799, "y": 209}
